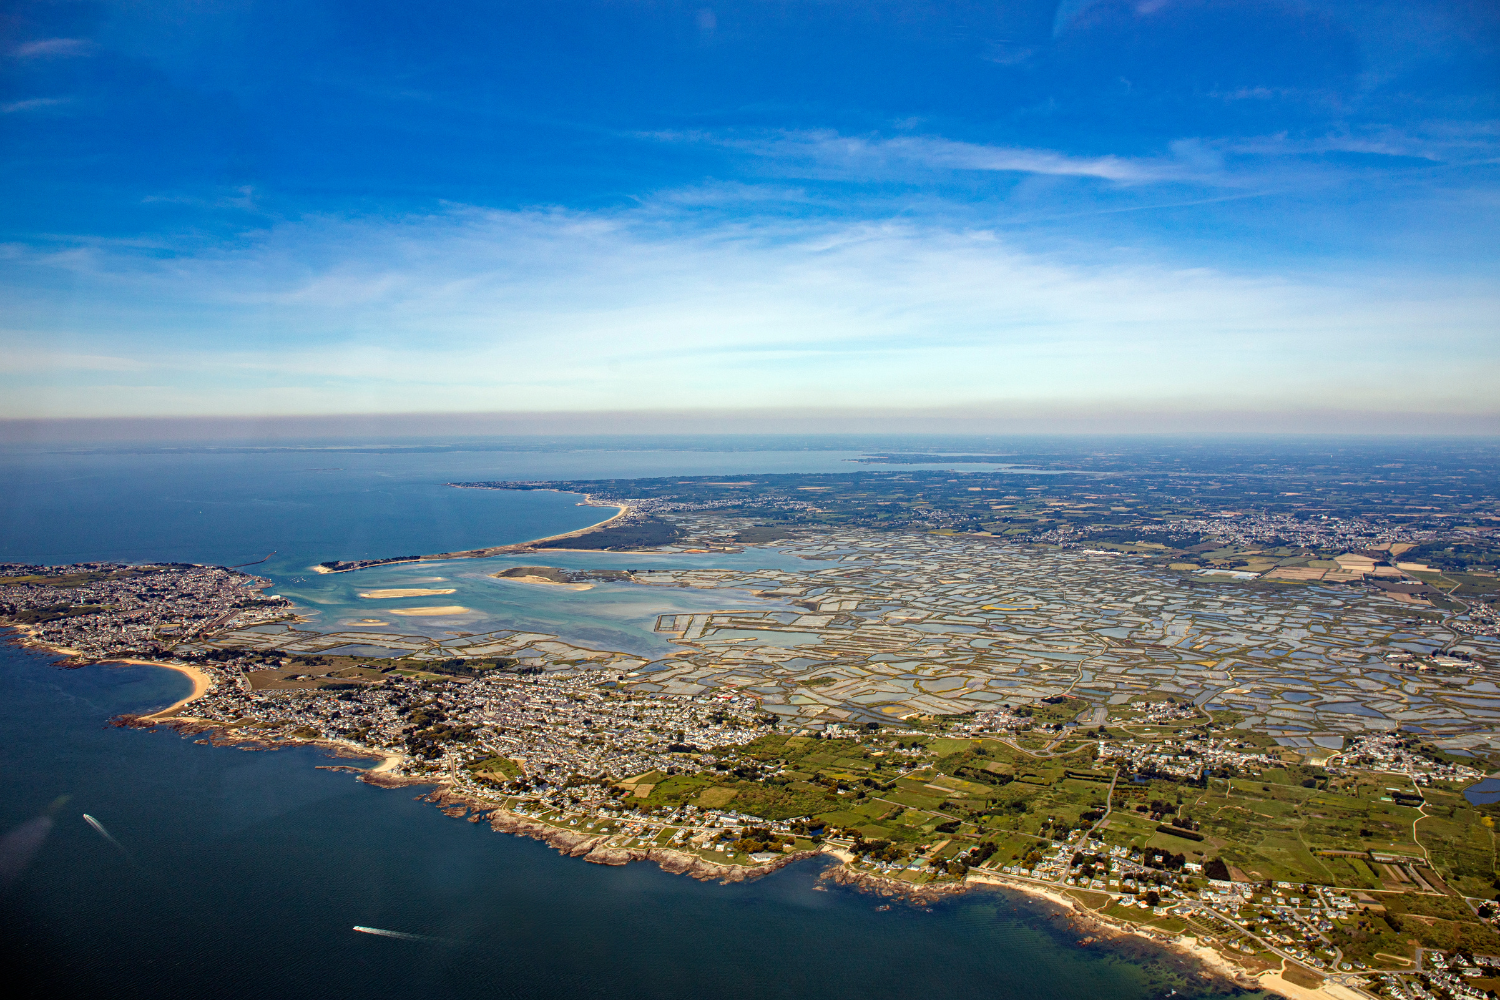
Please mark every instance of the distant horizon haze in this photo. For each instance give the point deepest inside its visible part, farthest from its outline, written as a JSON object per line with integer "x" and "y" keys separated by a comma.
{"x": 933, "y": 423}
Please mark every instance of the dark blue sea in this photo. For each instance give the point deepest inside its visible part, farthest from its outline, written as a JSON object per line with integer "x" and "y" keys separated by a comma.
{"x": 241, "y": 874}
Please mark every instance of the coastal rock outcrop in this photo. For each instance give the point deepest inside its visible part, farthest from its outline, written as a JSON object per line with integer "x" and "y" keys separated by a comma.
{"x": 597, "y": 849}
{"x": 891, "y": 888}
{"x": 381, "y": 779}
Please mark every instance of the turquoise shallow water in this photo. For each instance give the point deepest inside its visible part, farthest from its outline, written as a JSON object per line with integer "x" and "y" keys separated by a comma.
{"x": 242, "y": 874}
{"x": 613, "y": 616}
{"x": 618, "y": 616}
{"x": 311, "y": 506}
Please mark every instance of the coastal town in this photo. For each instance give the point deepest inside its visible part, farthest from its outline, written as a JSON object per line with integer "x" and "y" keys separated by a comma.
{"x": 96, "y": 610}
{"x": 1260, "y": 752}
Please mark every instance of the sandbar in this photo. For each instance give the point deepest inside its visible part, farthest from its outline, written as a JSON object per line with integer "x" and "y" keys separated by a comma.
{"x": 377, "y": 595}
{"x": 543, "y": 579}
{"x": 446, "y": 609}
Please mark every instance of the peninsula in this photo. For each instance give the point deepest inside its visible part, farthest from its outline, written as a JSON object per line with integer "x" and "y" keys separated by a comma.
{"x": 593, "y": 531}
{"x": 1262, "y": 735}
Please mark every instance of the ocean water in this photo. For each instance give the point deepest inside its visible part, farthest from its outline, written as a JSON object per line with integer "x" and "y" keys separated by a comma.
{"x": 236, "y": 873}
{"x": 312, "y": 504}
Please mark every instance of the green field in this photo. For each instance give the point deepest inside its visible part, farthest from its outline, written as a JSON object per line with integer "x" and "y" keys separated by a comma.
{"x": 1290, "y": 822}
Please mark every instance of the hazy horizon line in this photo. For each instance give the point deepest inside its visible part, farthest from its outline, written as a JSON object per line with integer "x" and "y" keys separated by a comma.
{"x": 773, "y": 422}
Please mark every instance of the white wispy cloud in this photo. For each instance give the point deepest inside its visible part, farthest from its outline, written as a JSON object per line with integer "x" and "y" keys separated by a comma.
{"x": 657, "y": 307}
{"x": 1384, "y": 143}
{"x": 25, "y": 355}
{"x": 33, "y": 104}
{"x": 242, "y": 197}
{"x": 1437, "y": 142}
{"x": 1231, "y": 164}
{"x": 946, "y": 154}
{"x": 54, "y": 47}
{"x": 826, "y": 154}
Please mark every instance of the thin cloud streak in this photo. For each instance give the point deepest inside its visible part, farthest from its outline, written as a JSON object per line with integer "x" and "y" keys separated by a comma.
{"x": 829, "y": 153}
{"x": 865, "y": 155}
{"x": 1206, "y": 161}
{"x": 54, "y": 47}
{"x": 33, "y": 104}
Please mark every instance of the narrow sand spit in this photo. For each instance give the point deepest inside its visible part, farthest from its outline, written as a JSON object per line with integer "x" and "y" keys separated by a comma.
{"x": 379, "y": 595}
{"x": 446, "y": 609}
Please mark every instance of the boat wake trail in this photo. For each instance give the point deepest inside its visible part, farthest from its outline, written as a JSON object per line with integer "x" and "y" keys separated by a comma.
{"x": 99, "y": 829}
{"x": 400, "y": 935}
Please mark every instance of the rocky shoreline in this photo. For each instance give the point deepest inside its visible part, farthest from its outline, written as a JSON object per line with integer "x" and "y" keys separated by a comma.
{"x": 1093, "y": 928}
{"x": 220, "y": 735}
{"x": 1198, "y": 961}
{"x": 893, "y": 888}
{"x": 23, "y": 635}
{"x": 1210, "y": 966}
{"x": 594, "y": 848}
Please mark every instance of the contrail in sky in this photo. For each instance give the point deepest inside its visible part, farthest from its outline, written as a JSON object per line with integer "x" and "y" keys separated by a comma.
{"x": 99, "y": 828}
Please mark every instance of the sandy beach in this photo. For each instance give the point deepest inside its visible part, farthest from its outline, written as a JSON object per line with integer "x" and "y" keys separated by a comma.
{"x": 390, "y": 762}
{"x": 201, "y": 684}
{"x": 28, "y": 637}
{"x": 1272, "y": 981}
{"x": 1276, "y": 983}
{"x": 485, "y": 553}
{"x": 523, "y": 546}
{"x": 200, "y": 678}
{"x": 587, "y": 501}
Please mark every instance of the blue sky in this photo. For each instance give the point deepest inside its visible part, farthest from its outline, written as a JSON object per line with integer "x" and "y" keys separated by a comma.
{"x": 1167, "y": 206}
